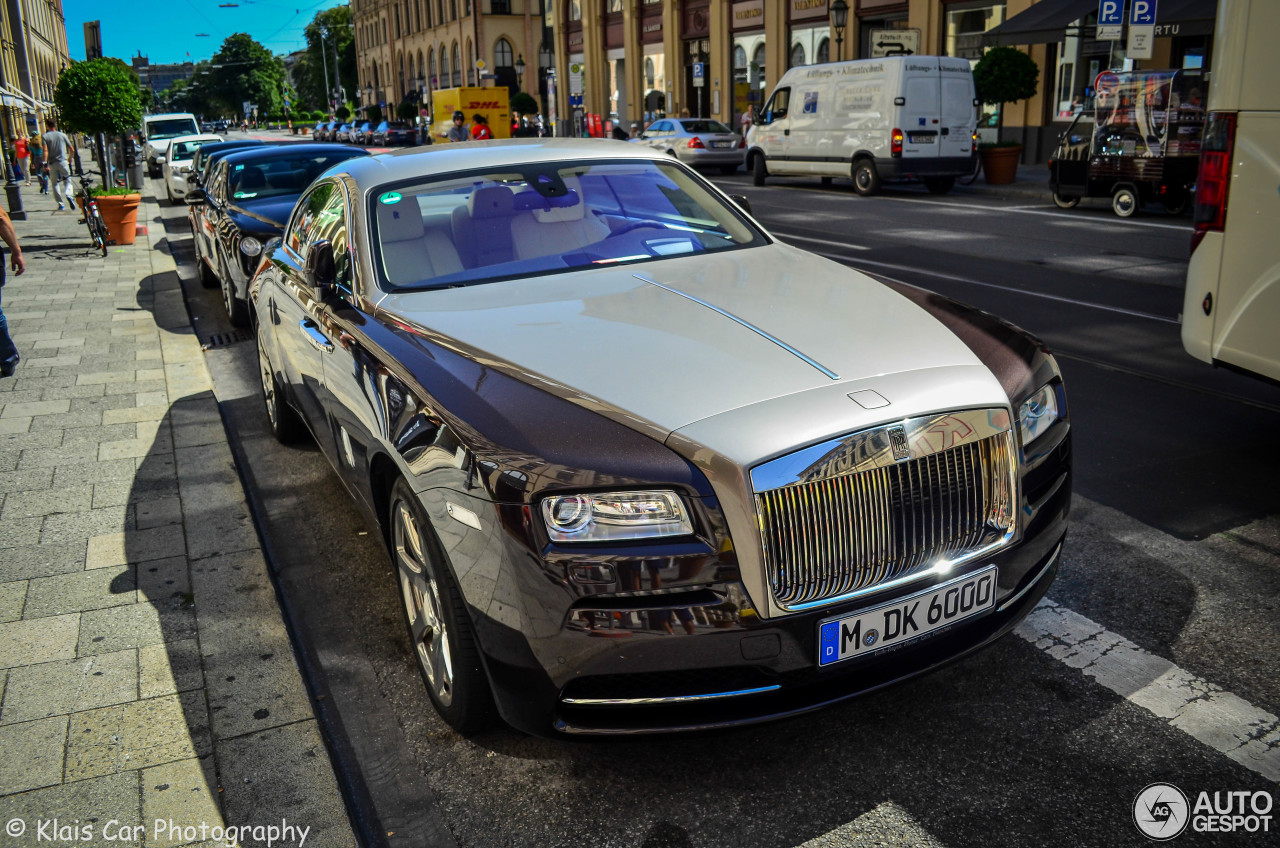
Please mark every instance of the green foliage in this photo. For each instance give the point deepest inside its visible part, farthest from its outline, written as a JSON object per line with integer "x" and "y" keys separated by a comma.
{"x": 99, "y": 96}
{"x": 248, "y": 72}
{"x": 407, "y": 110}
{"x": 113, "y": 191}
{"x": 1005, "y": 75}
{"x": 524, "y": 103}
{"x": 342, "y": 113}
{"x": 311, "y": 67}
{"x": 373, "y": 114}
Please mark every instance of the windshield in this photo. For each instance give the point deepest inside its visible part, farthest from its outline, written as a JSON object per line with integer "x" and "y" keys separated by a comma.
{"x": 180, "y": 150}
{"x": 547, "y": 219}
{"x": 704, "y": 127}
{"x": 171, "y": 128}
{"x": 279, "y": 176}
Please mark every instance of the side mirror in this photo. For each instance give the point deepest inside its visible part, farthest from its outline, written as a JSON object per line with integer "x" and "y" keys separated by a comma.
{"x": 196, "y": 195}
{"x": 319, "y": 270}
{"x": 742, "y": 202}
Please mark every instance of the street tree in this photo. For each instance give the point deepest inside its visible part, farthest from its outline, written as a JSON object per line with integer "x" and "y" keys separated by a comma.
{"x": 329, "y": 29}
{"x": 1005, "y": 75}
{"x": 97, "y": 97}
{"x": 244, "y": 71}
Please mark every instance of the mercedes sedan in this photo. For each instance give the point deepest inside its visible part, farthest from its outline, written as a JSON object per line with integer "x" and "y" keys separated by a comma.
{"x": 640, "y": 466}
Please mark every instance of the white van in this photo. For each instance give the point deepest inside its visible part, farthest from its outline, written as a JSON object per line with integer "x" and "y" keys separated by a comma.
{"x": 1231, "y": 306}
{"x": 897, "y": 118}
{"x": 159, "y": 130}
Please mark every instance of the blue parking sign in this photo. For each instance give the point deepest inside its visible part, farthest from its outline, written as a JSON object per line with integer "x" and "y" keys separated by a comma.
{"x": 1110, "y": 12}
{"x": 698, "y": 70}
{"x": 1142, "y": 12}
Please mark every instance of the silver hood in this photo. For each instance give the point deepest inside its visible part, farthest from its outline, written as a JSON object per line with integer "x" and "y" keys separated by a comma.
{"x": 670, "y": 343}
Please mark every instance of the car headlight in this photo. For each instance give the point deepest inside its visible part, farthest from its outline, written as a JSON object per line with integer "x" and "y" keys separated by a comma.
{"x": 613, "y": 516}
{"x": 1037, "y": 414}
{"x": 250, "y": 246}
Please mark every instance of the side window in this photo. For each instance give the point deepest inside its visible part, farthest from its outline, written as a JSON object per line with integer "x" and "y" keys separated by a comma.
{"x": 659, "y": 129}
{"x": 331, "y": 225}
{"x": 302, "y": 229}
{"x": 777, "y": 105}
{"x": 219, "y": 182}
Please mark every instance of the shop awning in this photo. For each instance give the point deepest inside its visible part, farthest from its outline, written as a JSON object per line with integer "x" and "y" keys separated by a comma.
{"x": 1046, "y": 22}
{"x": 17, "y": 97}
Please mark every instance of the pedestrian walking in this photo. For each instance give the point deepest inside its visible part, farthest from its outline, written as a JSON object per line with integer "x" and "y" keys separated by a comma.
{"x": 57, "y": 150}
{"x": 8, "y": 351}
{"x": 38, "y": 166}
{"x": 22, "y": 155}
{"x": 459, "y": 131}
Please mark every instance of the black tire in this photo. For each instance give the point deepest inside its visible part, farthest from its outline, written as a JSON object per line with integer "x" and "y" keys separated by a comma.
{"x": 939, "y": 185}
{"x": 866, "y": 179}
{"x": 208, "y": 279}
{"x": 237, "y": 309}
{"x": 1176, "y": 204}
{"x": 168, "y": 193}
{"x": 286, "y": 426}
{"x": 1064, "y": 201}
{"x": 1125, "y": 202}
{"x": 440, "y": 629}
{"x": 759, "y": 170}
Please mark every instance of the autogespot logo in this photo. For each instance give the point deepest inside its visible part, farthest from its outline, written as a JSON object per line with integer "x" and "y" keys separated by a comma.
{"x": 1160, "y": 811}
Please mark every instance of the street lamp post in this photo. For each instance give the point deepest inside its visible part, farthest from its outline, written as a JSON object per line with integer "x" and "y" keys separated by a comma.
{"x": 839, "y": 17}
{"x": 520, "y": 71}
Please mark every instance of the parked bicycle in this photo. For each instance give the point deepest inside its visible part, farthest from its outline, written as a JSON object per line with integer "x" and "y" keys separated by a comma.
{"x": 92, "y": 215}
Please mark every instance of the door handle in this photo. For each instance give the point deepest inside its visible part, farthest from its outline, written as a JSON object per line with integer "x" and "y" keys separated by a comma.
{"x": 786, "y": 132}
{"x": 317, "y": 338}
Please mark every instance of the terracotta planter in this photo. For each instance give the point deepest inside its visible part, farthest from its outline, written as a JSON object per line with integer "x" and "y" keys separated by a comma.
{"x": 120, "y": 214}
{"x": 1000, "y": 164}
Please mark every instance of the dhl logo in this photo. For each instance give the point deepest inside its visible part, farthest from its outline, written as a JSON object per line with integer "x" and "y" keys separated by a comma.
{"x": 484, "y": 104}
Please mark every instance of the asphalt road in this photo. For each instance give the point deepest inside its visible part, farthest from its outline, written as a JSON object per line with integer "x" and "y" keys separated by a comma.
{"x": 1171, "y": 570}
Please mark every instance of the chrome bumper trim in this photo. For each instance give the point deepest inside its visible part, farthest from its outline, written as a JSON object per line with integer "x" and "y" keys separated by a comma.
{"x": 1027, "y": 588}
{"x": 670, "y": 699}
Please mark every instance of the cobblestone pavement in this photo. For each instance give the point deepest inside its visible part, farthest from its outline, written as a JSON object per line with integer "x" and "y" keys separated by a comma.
{"x": 145, "y": 671}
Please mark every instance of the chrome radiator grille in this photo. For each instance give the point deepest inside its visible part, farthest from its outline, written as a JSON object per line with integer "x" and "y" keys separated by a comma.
{"x": 851, "y": 533}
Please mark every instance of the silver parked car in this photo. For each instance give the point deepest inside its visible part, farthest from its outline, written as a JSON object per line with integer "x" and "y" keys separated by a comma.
{"x": 700, "y": 142}
{"x": 638, "y": 465}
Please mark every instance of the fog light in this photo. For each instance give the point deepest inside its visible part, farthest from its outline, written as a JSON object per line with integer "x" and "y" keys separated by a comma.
{"x": 592, "y": 573}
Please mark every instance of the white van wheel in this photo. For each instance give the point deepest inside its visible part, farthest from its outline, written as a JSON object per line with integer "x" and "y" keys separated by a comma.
{"x": 1124, "y": 202}
{"x": 866, "y": 180}
{"x": 758, "y": 170}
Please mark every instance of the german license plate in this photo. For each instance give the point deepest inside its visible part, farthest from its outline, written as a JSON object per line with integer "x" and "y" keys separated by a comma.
{"x": 722, "y": 144}
{"x": 894, "y": 624}
{"x": 921, "y": 138}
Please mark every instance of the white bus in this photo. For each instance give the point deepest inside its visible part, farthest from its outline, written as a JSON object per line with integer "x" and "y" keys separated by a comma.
{"x": 1231, "y": 308}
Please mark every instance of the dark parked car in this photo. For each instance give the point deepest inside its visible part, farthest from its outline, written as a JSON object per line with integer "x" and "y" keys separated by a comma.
{"x": 640, "y": 466}
{"x": 317, "y": 132}
{"x": 244, "y": 204}
{"x": 362, "y": 133}
{"x": 343, "y": 133}
{"x": 329, "y": 130}
{"x": 391, "y": 133}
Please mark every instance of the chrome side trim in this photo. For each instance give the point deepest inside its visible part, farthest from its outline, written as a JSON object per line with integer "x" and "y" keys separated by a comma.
{"x": 1027, "y": 588}
{"x": 752, "y": 327}
{"x": 670, "y": 699}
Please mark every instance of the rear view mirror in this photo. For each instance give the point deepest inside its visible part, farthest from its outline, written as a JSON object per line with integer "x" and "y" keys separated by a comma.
{"x": 319, "y": 270}
{"x": 196, "y": 195}
{"x": 742, "y": 202}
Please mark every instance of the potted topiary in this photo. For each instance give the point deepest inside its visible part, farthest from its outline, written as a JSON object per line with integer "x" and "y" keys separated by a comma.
{"x": 1003, "y": 75}
{"x": 96, "y": 98}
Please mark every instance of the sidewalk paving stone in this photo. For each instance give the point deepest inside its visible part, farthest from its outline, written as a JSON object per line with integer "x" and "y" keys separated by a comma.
{"x": 118, "y": 671}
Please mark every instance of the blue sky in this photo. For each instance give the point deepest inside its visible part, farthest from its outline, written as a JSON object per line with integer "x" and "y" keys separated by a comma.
{"x": 167, "y": 32}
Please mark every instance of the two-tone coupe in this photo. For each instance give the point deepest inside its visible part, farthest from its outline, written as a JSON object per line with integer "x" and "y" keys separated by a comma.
{"x": 639, "y": 465}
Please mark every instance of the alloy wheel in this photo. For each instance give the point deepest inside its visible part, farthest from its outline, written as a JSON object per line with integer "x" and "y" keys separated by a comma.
{"x": 422, "y": 605}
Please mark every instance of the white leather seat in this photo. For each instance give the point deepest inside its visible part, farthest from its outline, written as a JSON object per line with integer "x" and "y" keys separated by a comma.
{"x": 410, "y": 252}
{"x": 560, "y": 229}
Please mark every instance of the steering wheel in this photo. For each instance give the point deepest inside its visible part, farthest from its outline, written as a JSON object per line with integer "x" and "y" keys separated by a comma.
{"x": 635, "y": 225}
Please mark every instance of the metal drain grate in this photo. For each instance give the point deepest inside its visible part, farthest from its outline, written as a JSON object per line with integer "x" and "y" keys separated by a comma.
{"x": 224, "y": 339}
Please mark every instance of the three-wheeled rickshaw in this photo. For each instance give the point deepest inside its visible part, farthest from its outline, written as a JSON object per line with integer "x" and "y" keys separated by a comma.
{"x": 1139, "y": 144}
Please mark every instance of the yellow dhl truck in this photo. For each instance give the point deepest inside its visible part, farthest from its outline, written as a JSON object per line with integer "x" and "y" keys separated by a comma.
{"x": 493, "y": 103}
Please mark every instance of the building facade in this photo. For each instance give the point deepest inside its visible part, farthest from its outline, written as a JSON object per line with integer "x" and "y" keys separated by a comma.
{"x": 406, "y": 49}
{"x": 159, "y": 77}
{"x": 33, "y": 52}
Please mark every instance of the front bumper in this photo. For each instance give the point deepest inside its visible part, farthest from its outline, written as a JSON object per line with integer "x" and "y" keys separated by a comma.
{"x": 676, "y": 662}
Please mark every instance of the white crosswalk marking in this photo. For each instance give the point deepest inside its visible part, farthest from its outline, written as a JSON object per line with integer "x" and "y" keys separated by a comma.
{"x": 887, "y": 824}
{"x": 1223, "y": 721}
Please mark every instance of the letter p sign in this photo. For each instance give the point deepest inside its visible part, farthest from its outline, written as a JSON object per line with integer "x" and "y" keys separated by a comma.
{"x": 1142, "y": 13}
{"x": 1110, "y": 12}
